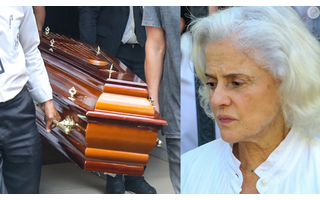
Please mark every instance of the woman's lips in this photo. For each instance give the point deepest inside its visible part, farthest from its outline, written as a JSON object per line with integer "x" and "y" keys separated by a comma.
{"x": 225, "y": 119}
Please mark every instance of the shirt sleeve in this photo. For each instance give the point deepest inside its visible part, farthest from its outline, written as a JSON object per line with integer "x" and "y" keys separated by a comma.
{"x": 151, "y": 16}
{"x": 38, "y": 83}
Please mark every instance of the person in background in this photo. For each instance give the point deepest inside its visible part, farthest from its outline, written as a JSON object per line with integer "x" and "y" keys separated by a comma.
{"x": 40, "y": 15}
{"x": 23, "y": 81}
{"x": 196, "y": 127}
{"x": 118, "y": 30}
{"x": 162, "y": 69}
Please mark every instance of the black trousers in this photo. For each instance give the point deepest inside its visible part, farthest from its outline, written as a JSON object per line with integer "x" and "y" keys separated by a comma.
{"x": 133, "y": 55}
{"x": 20, "y": 146}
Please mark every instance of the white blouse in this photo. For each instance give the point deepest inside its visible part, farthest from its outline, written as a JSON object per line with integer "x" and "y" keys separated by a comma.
{"x": 293, "y": 167}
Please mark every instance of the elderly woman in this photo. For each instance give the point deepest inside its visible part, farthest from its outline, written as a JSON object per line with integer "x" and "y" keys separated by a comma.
{"x": 261, "y": 73}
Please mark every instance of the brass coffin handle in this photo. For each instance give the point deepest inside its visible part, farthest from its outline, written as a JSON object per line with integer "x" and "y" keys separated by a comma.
{"x": 158, "y": 142}
{"x": 65, "y": 125}
{"x": 72, "y": 92}
{"x": 65, "y": 129}
{"x": 47, "y": 30}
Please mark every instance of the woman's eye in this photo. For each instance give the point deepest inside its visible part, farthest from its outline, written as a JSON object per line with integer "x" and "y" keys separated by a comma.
{"x": 212, "y": 85}
{"x": 236, "y": 83}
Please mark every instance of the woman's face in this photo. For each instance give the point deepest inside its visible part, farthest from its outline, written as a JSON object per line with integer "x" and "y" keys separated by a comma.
{"x": 243, "y": 96}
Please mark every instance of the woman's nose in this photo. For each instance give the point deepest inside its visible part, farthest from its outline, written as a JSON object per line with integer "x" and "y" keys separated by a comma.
{"x": 220, "y": 97}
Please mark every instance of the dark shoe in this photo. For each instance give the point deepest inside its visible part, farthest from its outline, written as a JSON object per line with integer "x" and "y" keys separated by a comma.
{"x": 115, "y": 184}
{"x": 138, "y": 185}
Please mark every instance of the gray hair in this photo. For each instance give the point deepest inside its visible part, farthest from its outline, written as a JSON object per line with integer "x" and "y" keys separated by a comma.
{"x": 276, "y": 39}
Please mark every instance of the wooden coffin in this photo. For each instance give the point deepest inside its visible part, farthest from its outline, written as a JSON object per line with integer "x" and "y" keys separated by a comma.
{"x": 114, "y": 125}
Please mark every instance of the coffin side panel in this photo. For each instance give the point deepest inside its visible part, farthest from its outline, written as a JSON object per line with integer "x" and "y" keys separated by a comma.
{"x": 125, "y": 90}
{"x": 120, "y": 138}
{"x": 117, "y": 156}
{"x": 125, "y": 104}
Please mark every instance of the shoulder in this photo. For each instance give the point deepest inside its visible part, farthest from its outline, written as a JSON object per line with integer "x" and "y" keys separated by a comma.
{"x": 313, "y": 144}
{"x": 309, "y": 158}
{"x": 305, "y": 175}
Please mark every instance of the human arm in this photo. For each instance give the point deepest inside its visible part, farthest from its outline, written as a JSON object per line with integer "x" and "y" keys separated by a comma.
{"x": 40, "y": 15}
{"x": 38, "y": 83}
{"x": 155, "y": 50}
{"x": 88, "y": 18}
{"x": 182, "y": 24}
{"x": 212, "y": 9}
{"x": 51, "y": 113}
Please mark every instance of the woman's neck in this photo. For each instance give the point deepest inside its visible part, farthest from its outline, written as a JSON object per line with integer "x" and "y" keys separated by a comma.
{"x": 253, "y": 153}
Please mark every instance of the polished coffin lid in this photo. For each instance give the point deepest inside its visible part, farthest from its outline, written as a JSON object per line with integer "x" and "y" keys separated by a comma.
{"x": 114, "y": 125}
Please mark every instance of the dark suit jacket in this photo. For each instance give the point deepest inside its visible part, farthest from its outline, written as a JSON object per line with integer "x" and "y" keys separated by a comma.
{"x": 103, "y": 26}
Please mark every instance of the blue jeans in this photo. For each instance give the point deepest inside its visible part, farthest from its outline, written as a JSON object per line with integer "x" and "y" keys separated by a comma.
{"x": 173, "y": 150}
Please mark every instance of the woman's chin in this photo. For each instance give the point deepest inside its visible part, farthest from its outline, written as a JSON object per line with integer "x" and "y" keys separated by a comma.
{"x": 227, "y": 137}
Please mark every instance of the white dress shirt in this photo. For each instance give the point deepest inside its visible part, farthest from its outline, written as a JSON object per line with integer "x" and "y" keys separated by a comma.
{"x": 20, "y": 58}
{"x": 129, "y": 35}
{"x": 293, "y": 167}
